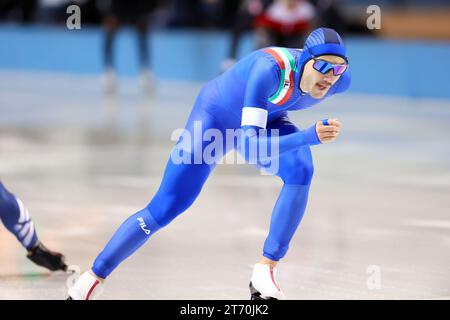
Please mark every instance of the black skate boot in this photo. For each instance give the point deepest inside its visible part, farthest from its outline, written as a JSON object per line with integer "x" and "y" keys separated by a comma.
{"x": 256, "y": 295}
{"x": 43, "y": 257}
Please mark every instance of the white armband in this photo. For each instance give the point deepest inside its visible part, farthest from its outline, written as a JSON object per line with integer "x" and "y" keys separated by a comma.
{"x": 254, "y": 117}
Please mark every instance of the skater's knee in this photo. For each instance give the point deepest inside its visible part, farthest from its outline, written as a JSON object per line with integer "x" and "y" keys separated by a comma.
{"x": 181, "y": 185}
{"x": 299, "y": 171}
{"x": 167, "y": 206}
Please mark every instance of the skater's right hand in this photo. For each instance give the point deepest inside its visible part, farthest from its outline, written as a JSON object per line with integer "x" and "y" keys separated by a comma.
{"x": 328, "y": 133}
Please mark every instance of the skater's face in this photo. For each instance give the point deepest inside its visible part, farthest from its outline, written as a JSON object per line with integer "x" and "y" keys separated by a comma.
{"x": 316, "y": 83}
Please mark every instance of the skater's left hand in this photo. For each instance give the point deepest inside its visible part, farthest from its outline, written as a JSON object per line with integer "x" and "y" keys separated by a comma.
{"x": 328, "y": 133}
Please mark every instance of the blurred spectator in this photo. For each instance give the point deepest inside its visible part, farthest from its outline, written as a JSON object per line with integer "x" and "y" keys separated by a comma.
{"x": 248, "y": 10}
{"x": 53, "y": 11}
{"x": 282, "y": 23}
{"x": 117, "y": 13}
{"x": 196, "y": 13}
{"x": 330, "y": 15}
{"x": 285, "y": 23}
{"x": 18, "y": 10}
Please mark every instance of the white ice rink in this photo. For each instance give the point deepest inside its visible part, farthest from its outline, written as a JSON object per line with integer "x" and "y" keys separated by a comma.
{"x": 83, "y": 162}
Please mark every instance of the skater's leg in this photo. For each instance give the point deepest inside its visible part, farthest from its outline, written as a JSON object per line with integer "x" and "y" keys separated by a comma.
{"x": 180, "y": 186}
{"x": 16, "y": 219}
{"x": 109, "y": 79}
{"x": 243, "y": 23}
{"x": 141, "y": 27}
{"x": 110, "y": 24}
{"x": 146, "y": 76}
{"x": 295, "y": 169}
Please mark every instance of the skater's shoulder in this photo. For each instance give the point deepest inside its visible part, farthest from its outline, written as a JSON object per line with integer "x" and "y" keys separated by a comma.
{"x": 269, "y": 57}
{"x": 258, "y": 63}
{"x": 282, "y": 55}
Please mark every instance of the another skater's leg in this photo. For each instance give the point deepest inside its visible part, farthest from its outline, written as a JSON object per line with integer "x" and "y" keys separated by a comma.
{"x": 16, "y": 219}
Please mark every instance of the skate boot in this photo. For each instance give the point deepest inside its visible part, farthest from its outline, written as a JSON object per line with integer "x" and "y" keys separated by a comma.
{"x": 87, "y": 287}
{"x": 43, "y": 257}
{"x": 263, "y": 285}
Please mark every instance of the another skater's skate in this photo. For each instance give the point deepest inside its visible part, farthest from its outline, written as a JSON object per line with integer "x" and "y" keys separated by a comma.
{"x": 263, "y": 285}
{"x": 87, "y": 287}
{"x": 46, "y": 258}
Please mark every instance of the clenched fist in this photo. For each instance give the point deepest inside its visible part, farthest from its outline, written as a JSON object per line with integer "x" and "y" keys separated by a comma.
{"x": 328, "y": 133}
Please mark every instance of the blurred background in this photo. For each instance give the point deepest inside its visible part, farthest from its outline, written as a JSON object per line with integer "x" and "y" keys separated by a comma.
{"x": 86, "y": 116}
